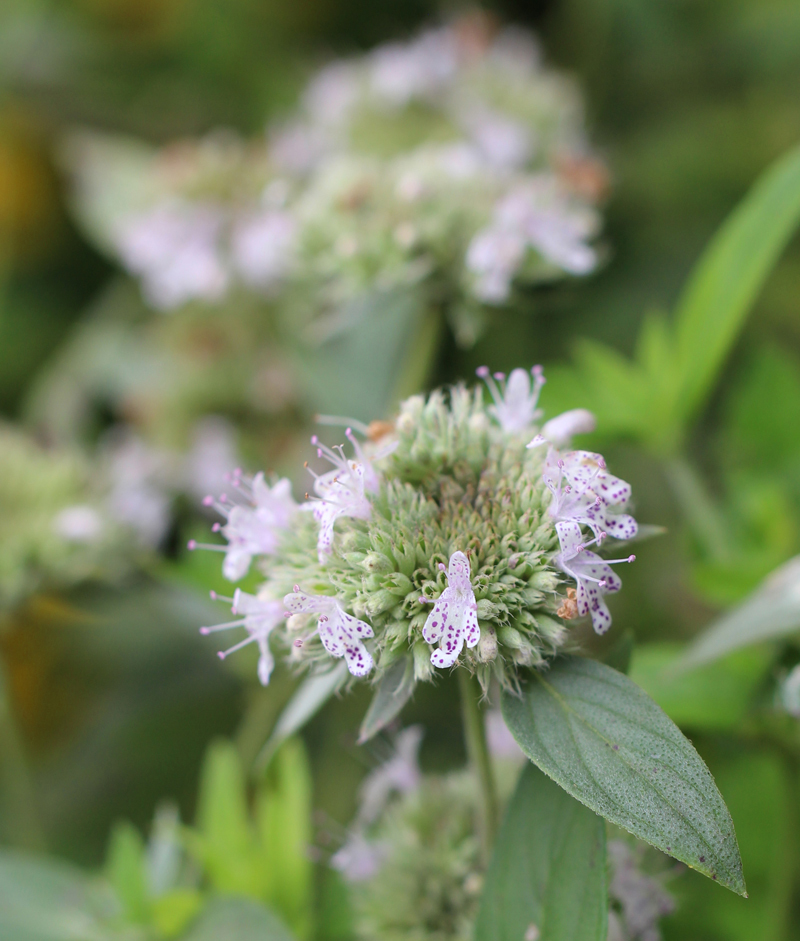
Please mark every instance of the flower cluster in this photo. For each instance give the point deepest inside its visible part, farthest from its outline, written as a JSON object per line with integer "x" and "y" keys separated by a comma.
{"x": 445, "y": 539}
{"x": 455, "y": 158}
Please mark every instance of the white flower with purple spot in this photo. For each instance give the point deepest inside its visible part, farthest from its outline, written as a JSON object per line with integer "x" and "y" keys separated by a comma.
{"x": 261, "y": 616}
{"x": 515, "y": 399}
{"x": 250, "y": 530}
{"x": 454, "y": 619}
{"x": 593, "y": 575}
{"x": 341, "y": 491}
{"x": 584, "y": 492}
{"x": 341, "y": 634}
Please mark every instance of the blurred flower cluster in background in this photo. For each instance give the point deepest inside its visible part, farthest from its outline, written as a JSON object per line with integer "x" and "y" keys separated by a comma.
{"x": 229, "y": 225}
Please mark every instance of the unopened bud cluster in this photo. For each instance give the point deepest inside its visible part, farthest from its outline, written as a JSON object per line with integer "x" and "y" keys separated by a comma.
{"x": 453, "y": 537}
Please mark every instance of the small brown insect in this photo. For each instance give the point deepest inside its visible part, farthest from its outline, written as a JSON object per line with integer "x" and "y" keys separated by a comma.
{"x": 569, "y": 608}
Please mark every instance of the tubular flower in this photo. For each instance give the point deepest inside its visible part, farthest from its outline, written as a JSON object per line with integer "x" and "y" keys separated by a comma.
{"x": 454, "y": 619}
{"x": 340, "y": 492}
{"x": 339, "y": 631}
{"x": 443, "y": 529}
{"x": 250, "y": 530}
{"x": 584, "y": 491}
{"x": 261, "y": 616}
{"x": 593, "y": 575}
{"x": 515, "y": 403}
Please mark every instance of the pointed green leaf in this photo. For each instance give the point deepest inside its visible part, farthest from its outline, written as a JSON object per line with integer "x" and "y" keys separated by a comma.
{"x": 772, "y": 611}
{"x": 547, "y": 878}
{"x": 394, "y": 690}
{"x": 283, "y": 811}
{"x": 310, "y": 696}
{"x": 237, "y": 920}
{"x": 611, "y": 747}
{"x": 125, "y": 867}
{"x": 729, "y": 276}
{"x": 225, "y": 840}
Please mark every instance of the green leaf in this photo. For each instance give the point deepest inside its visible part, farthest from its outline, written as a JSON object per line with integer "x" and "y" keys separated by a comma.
{"x": 310, "y": 696}
{"x": 728, "y": 278}
{"x": 173, "y": 910}
{"x": 354, "y": 368}
{"x": 283, "y": 813}
{"x": 548, "y": 871}
{"x": 48, "y": 900}
{"x": 237, "y": 920}
{"x": 772, "y": 611}
{"x": 712, "y": 699}
{"x": 394, "y": 690}
{"x": 125, "y": 868}
{"x": 611, "y": 747}
{"x": 226, "y": 841}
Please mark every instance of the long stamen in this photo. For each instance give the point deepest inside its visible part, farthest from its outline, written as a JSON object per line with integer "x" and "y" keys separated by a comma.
{"x": 223, "y": 627}
{"x": 193, "y": 544}
{"x": 347, "y": 422}
{"x": 538, "y": 381}
{"x": 483, "y": 373}
{"x": 225, "y": 653}
{"x": 217, "y": 597}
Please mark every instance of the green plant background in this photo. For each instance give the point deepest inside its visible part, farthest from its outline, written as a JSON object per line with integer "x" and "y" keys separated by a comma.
{"x": 115, "y": 696}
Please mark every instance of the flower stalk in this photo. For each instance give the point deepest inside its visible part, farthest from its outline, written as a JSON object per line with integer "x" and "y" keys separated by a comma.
{"x": 480, "y": 761}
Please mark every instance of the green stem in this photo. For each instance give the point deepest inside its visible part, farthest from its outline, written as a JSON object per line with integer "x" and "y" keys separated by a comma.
{"x": 20, "y": 823}
{"x": 478, "y": 754}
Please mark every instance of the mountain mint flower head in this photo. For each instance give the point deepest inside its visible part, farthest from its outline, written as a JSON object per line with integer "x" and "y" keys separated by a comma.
{"x": 250, "y": 530}
{"x": 444, "y": 541}
{"x": 261, "y": 616}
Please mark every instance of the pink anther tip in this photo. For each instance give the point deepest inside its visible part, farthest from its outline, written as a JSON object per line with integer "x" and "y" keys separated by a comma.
{"x": 213, "y": 595}
{"x": 191, "y": 544}
{"x": 631, "y": 558}
{"x": 499, "y": 376}
{"x": 208, "y": 500}
{"x": 296, "y": 588}
{"x": 205, "y": 630}
{"x": 482, "y": 372}
{"x": 221, "y": 654}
